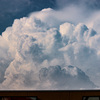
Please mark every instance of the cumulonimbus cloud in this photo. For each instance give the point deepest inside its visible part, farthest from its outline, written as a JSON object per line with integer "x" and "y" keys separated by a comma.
{"x": 45, "y": 51}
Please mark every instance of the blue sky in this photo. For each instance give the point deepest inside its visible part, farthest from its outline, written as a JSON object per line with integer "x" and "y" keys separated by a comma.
{"x": 12, "y": 9}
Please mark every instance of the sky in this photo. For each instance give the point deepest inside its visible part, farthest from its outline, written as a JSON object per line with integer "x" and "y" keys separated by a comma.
{"x": 15, "y": 9}
{"x": 49, "y": 45}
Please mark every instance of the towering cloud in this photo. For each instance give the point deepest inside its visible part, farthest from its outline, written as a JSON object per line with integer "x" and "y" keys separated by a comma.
{"x": 51, "y": 50}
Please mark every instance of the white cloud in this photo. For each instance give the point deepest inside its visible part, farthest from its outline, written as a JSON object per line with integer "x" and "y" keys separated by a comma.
{"x": 32, "y": 44}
